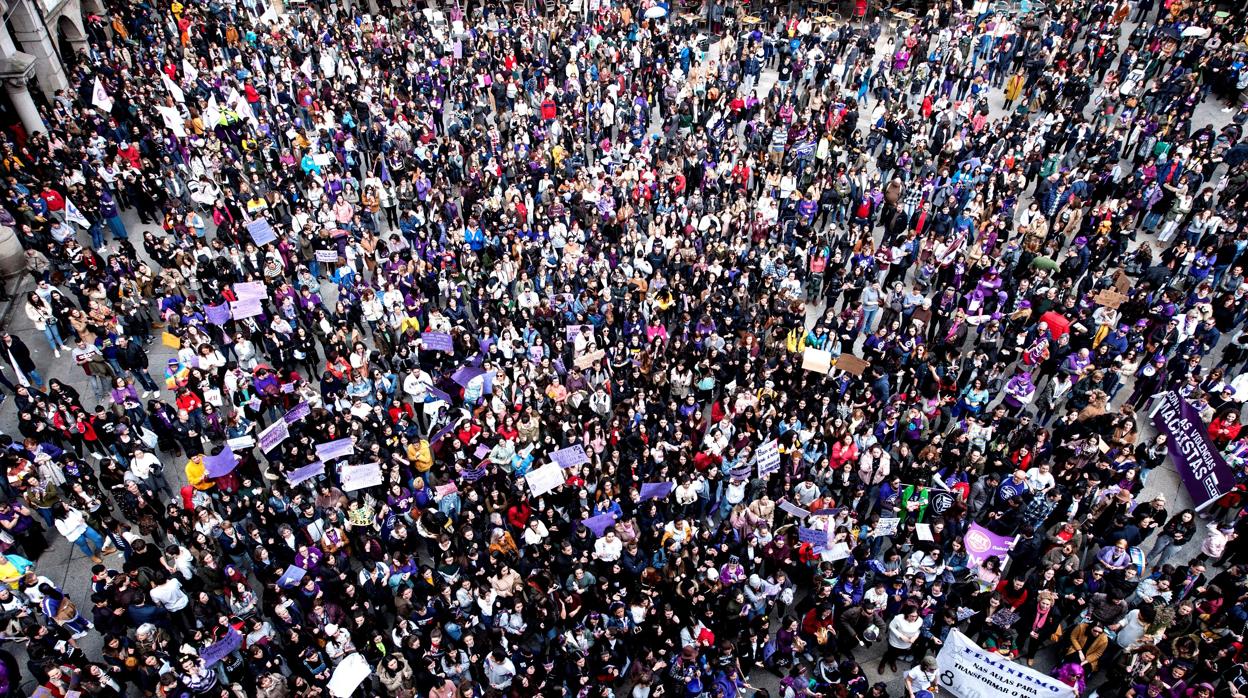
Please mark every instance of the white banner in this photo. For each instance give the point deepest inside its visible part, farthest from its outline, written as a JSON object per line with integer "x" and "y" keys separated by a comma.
{"x": 967, "y": 671}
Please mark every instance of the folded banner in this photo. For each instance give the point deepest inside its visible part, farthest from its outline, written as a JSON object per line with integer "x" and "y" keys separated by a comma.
{"x": 1204, "y": 472}
{"x": 967, "y": 671}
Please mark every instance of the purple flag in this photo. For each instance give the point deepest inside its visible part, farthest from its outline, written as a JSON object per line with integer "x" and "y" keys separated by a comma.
{"x": 1205, "y": 473}
{"x": 982, "y": 544}
{"x": 464, "y": 374}
{"x": 655, "y": 490}
{"x": 598, "y": 524}
{"x": 221, "y": 464}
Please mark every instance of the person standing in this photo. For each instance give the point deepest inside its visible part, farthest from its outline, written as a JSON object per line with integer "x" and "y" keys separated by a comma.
{"x": 73, "y": 525}
{"x": 133, "y": 357}
{"x": 17, "y": 354}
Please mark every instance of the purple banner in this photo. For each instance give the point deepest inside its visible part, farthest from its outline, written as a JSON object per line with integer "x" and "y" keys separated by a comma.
{"x": 982, "y": 544}
{"x": 1205, "y": 474}
{"x": 655, "y": 490}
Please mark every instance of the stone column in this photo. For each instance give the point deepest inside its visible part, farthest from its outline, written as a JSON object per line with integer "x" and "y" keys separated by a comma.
{"x": 31, "y": 34}
{"x": 16, "y": 69}
{"x": 25, "y": 105}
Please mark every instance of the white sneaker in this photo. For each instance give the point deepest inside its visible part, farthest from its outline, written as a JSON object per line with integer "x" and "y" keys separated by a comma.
{"x": 56, "y": 353}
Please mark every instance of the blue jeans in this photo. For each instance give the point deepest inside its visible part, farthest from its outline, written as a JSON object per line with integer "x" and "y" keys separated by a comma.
{"x": 868, "y": 319}
{"x": 145, "y": 379}
{"x": 35, "y": 378}
{"x": 90, "y": 538}
{"x": 53, "y": 333}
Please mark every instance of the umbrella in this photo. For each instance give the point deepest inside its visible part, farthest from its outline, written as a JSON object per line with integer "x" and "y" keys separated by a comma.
{"x": 656, "y": 12}
{"x": 1195, "y": 31}
{"x": 751, "y": 19}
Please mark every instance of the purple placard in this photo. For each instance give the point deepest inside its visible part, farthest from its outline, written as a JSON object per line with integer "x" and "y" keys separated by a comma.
{"x": 305, "y": 473}
{"x": 261, "y": 232}
{"x": 274, "y": 435}
{"x": 218, "y": 314}
{"x": 250, "y": 289}
{"x": 214, "y": 653}
{"x": 438, "y": 341}
{"x": 792, "y": 509}
{"x": 481, "y": 452}
{"x": 570, "y": 456}
{"x": 244, "y": 309}
{"x": 292, "y": 576}
{"x": 1205, "y": 473}
{"x": 221, "y": 464}
{"x": 599, "y": 524}
{"x": 655, "y": 490}
{"x": 335, "y": 449}
{"x": 816, "y": 538}
{"x": 298, "y": 412}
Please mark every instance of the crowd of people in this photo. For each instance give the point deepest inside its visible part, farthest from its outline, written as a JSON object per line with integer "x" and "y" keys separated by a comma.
{"x": 574, "y": 351}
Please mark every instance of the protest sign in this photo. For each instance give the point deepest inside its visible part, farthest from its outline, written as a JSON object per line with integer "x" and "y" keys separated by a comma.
{"x": 170, "y": 340}
{"x": 438, "y": 341}
{"x": 1205, "y": 473}
{"x": 244, "y": 309}
{"x": 214, "y": 653}
{"x": 792, "y": 509}
{"x": 274, "y": 435}
{"x": 544, "y": 479}
{"x": 307, "y": 472}
{"x": 464, "y": 374}
{"x": 335, "y": 449}
{"x": 239, "y": 443}
{"x": 358, "y": 477}
{"x": 886, "y": 526}
{"x": 768, "y": 458}
{"x": 851, "y": 364}
{"x": 599, "y": 524}
{"x": 570, "y": 456}
{"x": 816, "y": 538}
{"x": 348, "y": 675}
{"x": 968, "y": 671}
{"x": 297, "y": 413}
{"x": 982, "y": 544}
{"x": 655, "y": 490}
{"x": 217, "y": 314}
{"x": 816, "y": 360}
{"x": 327, "y": 256}
{"x": 261, "y": 232}
{"x": 593, "y": 357}
{"x": 292, "y": 576}
{"x": 244, "y": 290}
